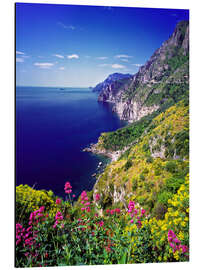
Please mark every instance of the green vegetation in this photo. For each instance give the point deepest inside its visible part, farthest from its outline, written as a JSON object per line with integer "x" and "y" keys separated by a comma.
{"x": 152, "y": 179}
{"x": 138, "y": 210}
{"x": 79, "y": 235}
{"x": 120, "y": 138}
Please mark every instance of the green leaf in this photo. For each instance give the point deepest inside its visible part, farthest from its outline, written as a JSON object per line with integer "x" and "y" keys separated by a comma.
{"x": 122, "y": 260}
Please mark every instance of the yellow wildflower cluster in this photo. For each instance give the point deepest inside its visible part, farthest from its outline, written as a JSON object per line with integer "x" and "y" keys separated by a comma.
{"x": 29, "y": 200}
{"x": 176, "y": 219}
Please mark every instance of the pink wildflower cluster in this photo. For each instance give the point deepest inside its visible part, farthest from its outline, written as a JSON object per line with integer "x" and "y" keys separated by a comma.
{"x": 175, "y": 243}
{"x": 68, "y": 188}
{"x": 26, "y": 236}
{"x": 85, "y": 202}
{"x": 135, "y": 213}
{"x": 37, "y": 216}
{"x": 58, "y": 218}
{"x": 113, "y": 211}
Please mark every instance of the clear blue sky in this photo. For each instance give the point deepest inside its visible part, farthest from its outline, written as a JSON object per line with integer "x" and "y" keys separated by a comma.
{"x": 64, "y": 45}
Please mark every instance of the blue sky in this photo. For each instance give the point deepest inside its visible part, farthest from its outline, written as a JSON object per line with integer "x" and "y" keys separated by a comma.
{"x": 64, "y": 45}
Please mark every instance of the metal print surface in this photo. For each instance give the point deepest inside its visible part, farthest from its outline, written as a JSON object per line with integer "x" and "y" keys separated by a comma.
{"x": 102, "y": 135}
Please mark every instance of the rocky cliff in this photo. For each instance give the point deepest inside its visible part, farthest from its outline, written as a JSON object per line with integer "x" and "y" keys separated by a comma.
{"x": 115, "y": 77}
{"x": 163, "y": 79}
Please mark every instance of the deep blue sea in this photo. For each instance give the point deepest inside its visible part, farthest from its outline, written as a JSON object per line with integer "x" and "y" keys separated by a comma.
{"x": 52, "y": 128}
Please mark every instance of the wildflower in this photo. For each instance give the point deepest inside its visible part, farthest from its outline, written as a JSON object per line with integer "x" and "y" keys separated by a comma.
{"x": 117, "y": 210}
{"x": 97, "y": 197}
{"x": 108, "y": 249}
{"x": 139, "y": 223}
{"x": 184, "y": 248}
{"x": 101, "y": 223}
{"x": 131, "y": 206}
{"x": 58, "y": 217}
{"x": 88, "y": 209}
{"x": 87, "y": 203}
{"x": 58, "y": 201}
{"x": 68, "y": 188}
{"x": 73, "y": 195}
{"x": 143, "y": 211}
{"x": 112, "y": 212}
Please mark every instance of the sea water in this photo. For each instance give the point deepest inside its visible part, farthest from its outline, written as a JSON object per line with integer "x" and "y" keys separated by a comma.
{"x": 53, "y": 126}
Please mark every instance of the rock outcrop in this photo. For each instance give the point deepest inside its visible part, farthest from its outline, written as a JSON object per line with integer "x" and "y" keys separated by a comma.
{"x": 110, "y": 80}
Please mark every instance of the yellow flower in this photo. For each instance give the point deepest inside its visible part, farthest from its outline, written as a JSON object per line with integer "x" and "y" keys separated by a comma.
{"x": 176, "y": 221}
{"x": 183, "y": 223}
{"x": 181, "y": 235}
{"x": 164, "y": 227}
{"x": 176, "y": 255}
{"x": 159, "y": 258}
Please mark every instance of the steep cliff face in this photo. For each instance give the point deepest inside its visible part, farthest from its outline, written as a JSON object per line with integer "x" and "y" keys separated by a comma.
{"x": 164, "y": 78}
{"x": 110, "y": 81}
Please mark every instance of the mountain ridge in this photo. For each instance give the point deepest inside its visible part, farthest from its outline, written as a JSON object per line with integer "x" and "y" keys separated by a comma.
{"x": 150, "y": 87}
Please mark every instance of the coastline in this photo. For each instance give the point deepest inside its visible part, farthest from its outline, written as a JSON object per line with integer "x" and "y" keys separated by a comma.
{"x": 113, "y": 155}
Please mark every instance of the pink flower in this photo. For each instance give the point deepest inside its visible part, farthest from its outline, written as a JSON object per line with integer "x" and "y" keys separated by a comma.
{"x": 112, "y": 212}
{"x": 131, "y": 206}
{"x": 171, "y": 233}
{"x": 88, "y": 209}
{"x": 176, "y": 240}
{"x": 68, "y": 188}
{"x": 184, "y": 248}
{"x": 58, "y": 216}
{"x": 135, "y": 211}
{"x": 41, "y": 209}
{"x": 101, "y": 223}
{"x": 143, "y": 211}
{"x": 58, "y": 201}
{"x": 73, "y": 195}
{"x": 97, "y": 197}
{"x": 87, "y": 203}
{"x": 131, "y": 221}
{"x": 117, "y": 210}
{"x": 107, "y": 211}
{"x": 68, "y": 191}
{"x": 83, "y": 208}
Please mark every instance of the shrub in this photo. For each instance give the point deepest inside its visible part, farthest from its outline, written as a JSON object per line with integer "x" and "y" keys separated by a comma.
{"x": 128, "y": 164}
{"x": 163, "y": 197}
{"x": 149, "y": 159}
{"x": 171, "y": 166}
{"x": 135, "y": 185}
{"x": 159, "y": 210}
{"x": 173, "y": 184}
{"x": 142, "y": 177}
